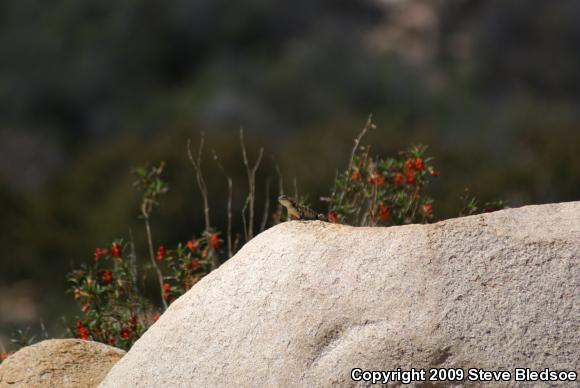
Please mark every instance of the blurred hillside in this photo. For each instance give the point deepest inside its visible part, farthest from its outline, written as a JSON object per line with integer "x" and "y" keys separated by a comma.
{"x": 90, "y": 89}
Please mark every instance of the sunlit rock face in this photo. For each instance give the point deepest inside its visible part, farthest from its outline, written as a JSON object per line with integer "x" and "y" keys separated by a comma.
{"x": 65, "y": 363}
{"x": 304, "y": 303}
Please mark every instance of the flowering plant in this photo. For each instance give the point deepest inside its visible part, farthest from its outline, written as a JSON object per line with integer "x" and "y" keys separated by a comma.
{"x": 383, "y": 191}
{"x": 113, "y": 305}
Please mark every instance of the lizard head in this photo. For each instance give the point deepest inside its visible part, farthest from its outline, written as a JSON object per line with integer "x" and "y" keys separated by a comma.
{"x": 285, "y": 200}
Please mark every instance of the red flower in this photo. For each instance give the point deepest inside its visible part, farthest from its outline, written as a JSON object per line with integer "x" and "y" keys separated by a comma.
{"x": 166, "y": 290}
{"x": 156, "y": 316}
{"x": 333, "y": 217}
{"x": 399, "y": 179}
{"x": 77, "y": 293}
{"x": 377, "y": 179}
{"x": 204, "y": 253}
{"x": 409, "y": 165}
{"x": 419, "y": 164}
{"x": 86, "y": 307}
{"x": 134, "y": 321}
{"x": 195, "y": 264}
{"x": 384, "y": 212}
{"x": 107, "y": 277}
{"x": 99, "y": 252}
{"x": 410, "y": 178}
{"x": 125, "y": 333}
{"x": 116, "y": 250}
{"x": 111, "y": 340}
{"x": 355, "y": 176}
{"x": 3, "y": 356}
{"x": 214, "y": 241}
{"x": 427, "y": 210}
{"x": 161, "y": 253}
{"x": 83, "y": 333}
{"x": 192, "y": 245}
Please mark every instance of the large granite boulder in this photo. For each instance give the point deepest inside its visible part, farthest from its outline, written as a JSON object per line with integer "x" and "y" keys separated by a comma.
{"x": 304, "y": 303}
{"x": 63, "y": 363}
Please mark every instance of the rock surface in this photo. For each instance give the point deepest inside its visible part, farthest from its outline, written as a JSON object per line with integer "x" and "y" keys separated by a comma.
{"x": 59, "y": 363}
{"x": 305, "y": 302}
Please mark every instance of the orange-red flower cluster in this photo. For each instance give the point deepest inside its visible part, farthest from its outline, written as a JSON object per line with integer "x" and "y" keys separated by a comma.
{"x": 116, "y": 250}
{"x": 125, "y": 333}
{"x": 111, "y": 340}
{"x": 107, "y": 277}
{"x": 399, "y": 179}
{"x": 156, "y": 316}
{"x": 409, "y": 173}
{"x": 355, "y": 176}
{"x": 161, "y": 253}
{"x": 214, "y": 241}
{"x": 82, "y": 332}
{"x": 99, "y": 253}
{"x": 419, "y": 164}
{"x": 192, "y": 245}
{"x": 204, "y": 253}
{"x": 166, "y": 290}
{"x": 333, "y": 217}
{"x": 3, "y": 356}
{"x": 377, "y": 179}
{"x": 195, "y": 264}
{"x": 384, "y": 212}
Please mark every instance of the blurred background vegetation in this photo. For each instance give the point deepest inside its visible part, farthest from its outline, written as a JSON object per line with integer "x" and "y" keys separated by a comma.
{"x": 89, "y": 89}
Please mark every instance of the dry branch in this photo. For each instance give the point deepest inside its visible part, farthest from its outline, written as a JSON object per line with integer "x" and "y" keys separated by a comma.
{"x": 250, "y": 200}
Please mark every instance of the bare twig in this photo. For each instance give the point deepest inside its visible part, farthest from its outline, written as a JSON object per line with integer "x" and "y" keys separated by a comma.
{"x": 244, "y": 223}
{"x": 368, "y": 125}
{"x": 152, "y": 184}
{"x": 280, "y": 190}
{"x": 266, "y": 206}
{"x": 236, "y": 242}
{"x": 230, "y": 195}
{"x": 251, "y": 172}
{"x": 196, "y": 163}
{"x": 152, "y": 258}
{"x": 133, "y": 261}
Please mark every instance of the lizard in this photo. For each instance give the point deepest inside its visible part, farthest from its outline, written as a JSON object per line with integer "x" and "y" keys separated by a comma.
{"x": 299, "y": 212}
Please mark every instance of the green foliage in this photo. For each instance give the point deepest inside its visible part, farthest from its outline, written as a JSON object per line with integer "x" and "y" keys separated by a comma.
{"x": 470, "y": 205}
{"x": 149, "y": 182}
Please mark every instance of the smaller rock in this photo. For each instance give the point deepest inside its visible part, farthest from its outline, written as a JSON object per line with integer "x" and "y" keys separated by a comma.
{"x": 59, "y": 363}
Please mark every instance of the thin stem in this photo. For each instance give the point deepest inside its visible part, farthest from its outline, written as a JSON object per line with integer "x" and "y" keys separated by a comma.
{"x": 368, "y": 125}
{"x": 266, "y": 206}
{"x": 251, "y": 172}
{"x": 229, "y": 237}
{"x": 280, "y": 191}
{"x": 152, "y": 257}
{"x": 196, "y": 163}
{"x": 230, "y": 195}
